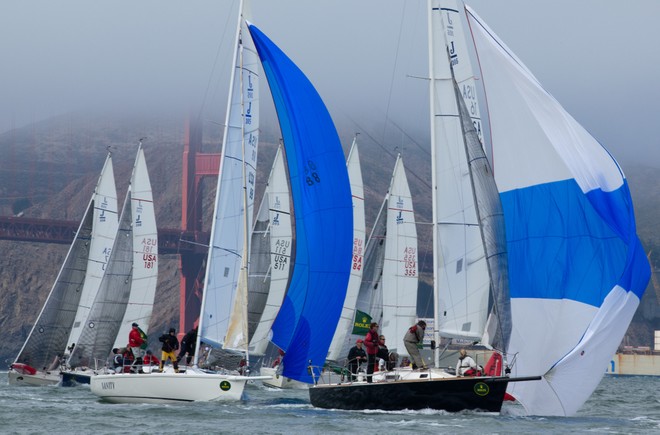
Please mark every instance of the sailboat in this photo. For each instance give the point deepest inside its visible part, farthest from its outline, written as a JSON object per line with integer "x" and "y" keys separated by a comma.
{"x": 469, "y": 251}
{"x": 127, "y": 291}
{"x": 67, "y": 305}
{"x": 223, "y": 313}
{"x": 555, "y": 219}
{"x": 320, "y": 194}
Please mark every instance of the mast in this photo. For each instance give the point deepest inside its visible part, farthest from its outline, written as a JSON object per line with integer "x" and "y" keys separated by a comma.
{"x": 222, "y": 162}
{"x": 242, "y": 302}
{"x": 434, "y": 181}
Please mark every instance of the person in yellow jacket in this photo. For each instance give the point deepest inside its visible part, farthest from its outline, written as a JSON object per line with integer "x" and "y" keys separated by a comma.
{"x": 170, "y": 345}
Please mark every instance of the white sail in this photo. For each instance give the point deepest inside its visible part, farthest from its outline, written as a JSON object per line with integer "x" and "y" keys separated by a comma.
{"x": 144, "y": 275}
{"x": 260, "y": 264}
{"x": 445, "y": 15}
{"x": 388, "y": 291}
{"x": 223, "y": 321}
{"x": 369, "y": 302}
{"x": 100, "y": 246}
{"x": 85, "y": 260}
{"x": 400, "y": 267}
{"x": 342, "y": 335}
{"x": 125, "y": 281}
{"x": 277, "y": 198}
{"x": 461, "y": 279}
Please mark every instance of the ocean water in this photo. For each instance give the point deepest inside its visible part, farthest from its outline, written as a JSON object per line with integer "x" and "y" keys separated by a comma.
{"x": 625, "y": 405}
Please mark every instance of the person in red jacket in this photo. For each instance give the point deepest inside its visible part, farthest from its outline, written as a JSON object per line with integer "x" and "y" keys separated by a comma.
{"x": 150, "y": 359}
{"x": 371, "y": 342}
{"x": 134, "y": 342}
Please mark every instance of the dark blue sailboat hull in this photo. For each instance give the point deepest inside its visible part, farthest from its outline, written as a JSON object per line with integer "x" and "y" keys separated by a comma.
{"x": 72, "y": 379}
{"x": 452, "y": 395}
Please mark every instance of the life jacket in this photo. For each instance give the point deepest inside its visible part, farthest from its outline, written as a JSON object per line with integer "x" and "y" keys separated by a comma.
{"x": 494, "y": 365}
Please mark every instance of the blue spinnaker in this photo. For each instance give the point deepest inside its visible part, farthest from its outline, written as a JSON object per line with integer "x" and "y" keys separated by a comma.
{"x": 322, "y": 211}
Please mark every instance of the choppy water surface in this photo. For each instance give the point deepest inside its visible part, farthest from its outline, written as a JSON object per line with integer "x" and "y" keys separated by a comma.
{"x": 619, "y": 406}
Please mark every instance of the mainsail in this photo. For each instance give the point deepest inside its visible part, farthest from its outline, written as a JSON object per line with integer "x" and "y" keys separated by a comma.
{"x": 323, "y": 215}
{"x": 341, "y": 339}
{"x": 388, "y": 291}
{"x": 461, "y": 277}
{"x": 131, "y": 269}
{"x": 100, "y": 246}
{"x": 577, "y": 270}
{"x": 223, "y": 320}
{"x": 144, "y": 275}
{"x": 400, "y": 267}
{"x": 78, "y": 278}
{"x": 270, "y": 269}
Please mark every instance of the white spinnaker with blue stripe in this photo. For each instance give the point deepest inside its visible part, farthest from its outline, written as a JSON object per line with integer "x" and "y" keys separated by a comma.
{"x": 577, "y": 270}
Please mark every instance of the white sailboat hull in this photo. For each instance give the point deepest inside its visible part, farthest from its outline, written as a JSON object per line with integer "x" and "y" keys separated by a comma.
{"x": 279, "y": 381}
{"x": 191, "y": 386}
{"x": 39, "y": 379}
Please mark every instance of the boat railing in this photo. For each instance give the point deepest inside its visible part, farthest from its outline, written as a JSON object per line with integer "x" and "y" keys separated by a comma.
{"x": 336, "y": 375}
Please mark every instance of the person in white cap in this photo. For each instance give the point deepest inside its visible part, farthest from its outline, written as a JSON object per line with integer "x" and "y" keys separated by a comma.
{"x": 465, "y": 365}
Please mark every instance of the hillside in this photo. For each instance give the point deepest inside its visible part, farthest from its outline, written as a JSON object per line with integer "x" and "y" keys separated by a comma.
{"x": 49, "y": 170}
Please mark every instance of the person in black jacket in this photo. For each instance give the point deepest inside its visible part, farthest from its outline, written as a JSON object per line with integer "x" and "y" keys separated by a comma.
{"x": 356, "y": 356}
{"x": 117, "y": 360}
{"x": 188, "y": 345}
{"x": 389, "y": 358}
{"x": 170, "y": 344}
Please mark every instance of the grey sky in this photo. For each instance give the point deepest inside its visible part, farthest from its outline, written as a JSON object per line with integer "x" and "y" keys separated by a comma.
{"x": 597, "y": 57}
